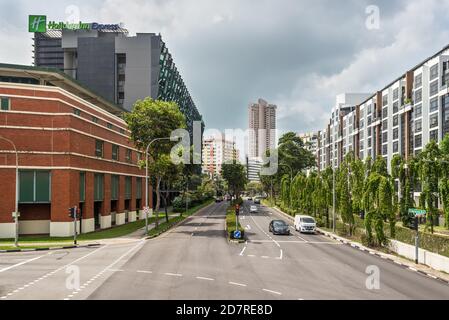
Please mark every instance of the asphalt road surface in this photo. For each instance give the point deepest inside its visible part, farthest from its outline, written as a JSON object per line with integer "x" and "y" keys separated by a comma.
{"x": 195, "y": 262}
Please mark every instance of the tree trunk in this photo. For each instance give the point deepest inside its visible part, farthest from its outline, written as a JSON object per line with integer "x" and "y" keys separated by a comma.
{"x": 165, "y": 202}
{"x": 158, "y": 200}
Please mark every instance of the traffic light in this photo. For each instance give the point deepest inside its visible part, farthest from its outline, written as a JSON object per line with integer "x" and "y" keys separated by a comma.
{"x": 237, "y": 210}
{"x": 72, "y": 212}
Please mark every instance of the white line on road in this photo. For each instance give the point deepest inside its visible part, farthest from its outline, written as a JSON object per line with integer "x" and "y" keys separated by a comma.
{"x": 142, "y": 271}
{"x": 20, "y": 264}
{"x": 237, "y": 284}
{"x": 206, "y": 279}
{"x": 271, "y": 291}
{"x": 173, "y": 274}
{"x": 241, "y": 253}
{"x": 282, "y": 255}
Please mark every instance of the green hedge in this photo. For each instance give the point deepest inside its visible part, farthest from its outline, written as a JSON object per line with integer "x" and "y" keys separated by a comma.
{"x": 431, "y": 242}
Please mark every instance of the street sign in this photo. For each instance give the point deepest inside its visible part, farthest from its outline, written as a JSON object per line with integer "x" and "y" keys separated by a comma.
{"x": 237, "y": 234}
{"x": 417, "y": 212}
{"x": 147, "y": 211}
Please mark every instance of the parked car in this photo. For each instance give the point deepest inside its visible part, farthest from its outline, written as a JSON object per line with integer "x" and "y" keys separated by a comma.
{"x": 250, "y": 199}
{"x": 253, "y": 209}
{"x": 218, "y": 199}
{"x": 279, "y": 227}
{"x": 305, "y": 224}
{"x": 257, "y": 201}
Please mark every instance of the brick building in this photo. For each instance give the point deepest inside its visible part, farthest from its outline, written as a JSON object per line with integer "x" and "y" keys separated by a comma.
{"x": 73, "y": 149}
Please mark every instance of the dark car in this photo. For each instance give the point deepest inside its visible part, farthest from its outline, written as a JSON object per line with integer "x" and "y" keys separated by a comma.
{"x": 279, "y": 227}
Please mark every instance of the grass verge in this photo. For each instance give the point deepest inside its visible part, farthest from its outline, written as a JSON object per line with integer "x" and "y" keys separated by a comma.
{"x": 231, "y": 224}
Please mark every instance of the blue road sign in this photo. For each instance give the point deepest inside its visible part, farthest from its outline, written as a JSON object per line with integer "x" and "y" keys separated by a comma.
{"x": 237, "y": 234}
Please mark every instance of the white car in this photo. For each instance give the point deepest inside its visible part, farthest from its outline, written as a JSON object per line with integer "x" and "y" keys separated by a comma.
{"x": 305, "y": 224}
{"x": 253, "y": 209}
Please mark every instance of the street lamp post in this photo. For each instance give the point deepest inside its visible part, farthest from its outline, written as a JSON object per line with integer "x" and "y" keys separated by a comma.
{"x": 16, "y": 212}
{"x": 147, "y": 208}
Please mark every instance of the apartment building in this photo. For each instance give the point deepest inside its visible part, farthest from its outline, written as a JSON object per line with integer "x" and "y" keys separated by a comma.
{"x": 73, "y": 149}
{"x": 262, "y": 128}
{"x": 216, "y": 152}
{"x": 253, "y": 168}
{"x": 401, "y": 118}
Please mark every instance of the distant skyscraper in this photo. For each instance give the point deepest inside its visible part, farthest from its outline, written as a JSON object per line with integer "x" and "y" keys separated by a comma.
{"x": 262, "y": 126}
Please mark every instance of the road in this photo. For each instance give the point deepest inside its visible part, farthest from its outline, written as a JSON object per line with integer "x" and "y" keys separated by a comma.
{"x": 195, "y": 262}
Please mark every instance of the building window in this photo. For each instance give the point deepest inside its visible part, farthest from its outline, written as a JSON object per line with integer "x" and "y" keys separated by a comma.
{"x": 82, "y": 186}
{"x": 99, "y": 187}
{"x": 385, "y": 113}
{"x": 94, "y": 119}
{"x": 34, "y": 186}
{"x": 115, "y": 152}
{"x": 99, "y": 148}
{"x": 128, "y": 188}
{"x": 128, "y": 156}
{"x": 115, "y": 186}
{"x": 418, "y": 111}
{"x": 395, "y": 107}
{"x": 385, "y": 137}
{"x": 384, "y": 100}
{"x": 385, "y": 149}
{"x": 395, "y": 147}
{"x": 418, "y": 126}
{"x": 433, "y": 121}
{"x": 138, "y": 188}
{"x": 396, "y": 134}
{"x": 396, "y": 94}
{"x": 385, "y": 125}
{"x": 418, "y": 96}
{"x": 395, "y": 121}
{"x": 418, "y": 81}
{"x": 434, "y": 135}
{"x": 77, "y": 112}
{"x": 110, "y": 126}
{"x": 433, "y": 105}
{"x": 434, "y": 72}
{"x": 122, "y": 131}
{"x": 433, "y": 88}
{"x": 369, "y": 143}
{"x": 418, "y": 141}
{"x": 5, "y": 104}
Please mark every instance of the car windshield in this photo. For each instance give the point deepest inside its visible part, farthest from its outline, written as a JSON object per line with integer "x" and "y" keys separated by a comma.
{"x": 279, "y": 224}
{"x": 308, "y": 220}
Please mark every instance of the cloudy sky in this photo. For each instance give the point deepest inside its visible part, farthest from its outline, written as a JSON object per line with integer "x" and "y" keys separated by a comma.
{"x": 296, "y": 54}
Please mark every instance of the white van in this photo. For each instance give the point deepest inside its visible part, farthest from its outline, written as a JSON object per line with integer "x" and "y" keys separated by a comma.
{"x": 305, "y": 224}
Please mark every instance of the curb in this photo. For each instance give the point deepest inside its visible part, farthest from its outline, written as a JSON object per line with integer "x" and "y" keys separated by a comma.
{"x": 369, "y": 251}
{"x": 51, "y": 249}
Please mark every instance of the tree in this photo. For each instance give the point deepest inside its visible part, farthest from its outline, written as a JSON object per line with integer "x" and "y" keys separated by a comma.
{"x": 235, "y": 176}
{"x": 254, "y": 188}
{"x": 444, "y": 178}
{"x": 151, "y": 119}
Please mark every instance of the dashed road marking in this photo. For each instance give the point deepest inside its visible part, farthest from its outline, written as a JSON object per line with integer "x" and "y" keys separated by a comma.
{"x": 237, "y": 284}
{"x": 205, "y": 279}
{"x": 143, "y": 271}
{"x": 173, "y": 274}
{"x": 243, "y": 251}
{"x": 271, "y": 291}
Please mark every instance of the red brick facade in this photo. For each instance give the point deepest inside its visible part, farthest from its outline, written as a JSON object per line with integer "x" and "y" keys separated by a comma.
{"x": 56, "y": 131}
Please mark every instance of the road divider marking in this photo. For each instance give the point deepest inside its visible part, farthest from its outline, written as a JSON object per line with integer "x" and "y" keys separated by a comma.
{"x": 273, "y": 292}
{"x": 142, "y": 271}
{"x": 173, "y": 274}
{"x": 237, "y": 284}
{"x": 241, "y": 253}
{"x": 20, "y": 264}
{"x": 205, "y": 279}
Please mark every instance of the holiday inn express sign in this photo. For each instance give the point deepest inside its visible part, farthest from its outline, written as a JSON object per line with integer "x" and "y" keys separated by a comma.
{"x": 38, "y": 23}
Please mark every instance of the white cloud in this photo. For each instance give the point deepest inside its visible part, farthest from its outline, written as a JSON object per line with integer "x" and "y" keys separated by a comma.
{"x": 416, "y": 35}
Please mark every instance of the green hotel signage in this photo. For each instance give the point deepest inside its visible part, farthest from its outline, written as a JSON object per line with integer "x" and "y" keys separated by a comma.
{"x": 38, "y": 23}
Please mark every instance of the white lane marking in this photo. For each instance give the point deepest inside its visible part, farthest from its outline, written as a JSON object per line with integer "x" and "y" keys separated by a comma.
{"x": 142, "y": 271}
{"x": 115, "y": 270}
{"x": 271, "y": 291}
{"x": 248, "y": 227}
{"x": 20, "y": 264}
{"x": 251, "y": 255}
{"x": 141, "y": 243}
{"x": 206, "y": 279}
{"x": 237, "y": 284}
{"x": 173, "y": 274}
{"x": 265, "y": 257}
{"x": 241, "y": 253}
{"x": 282, "y": 255}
